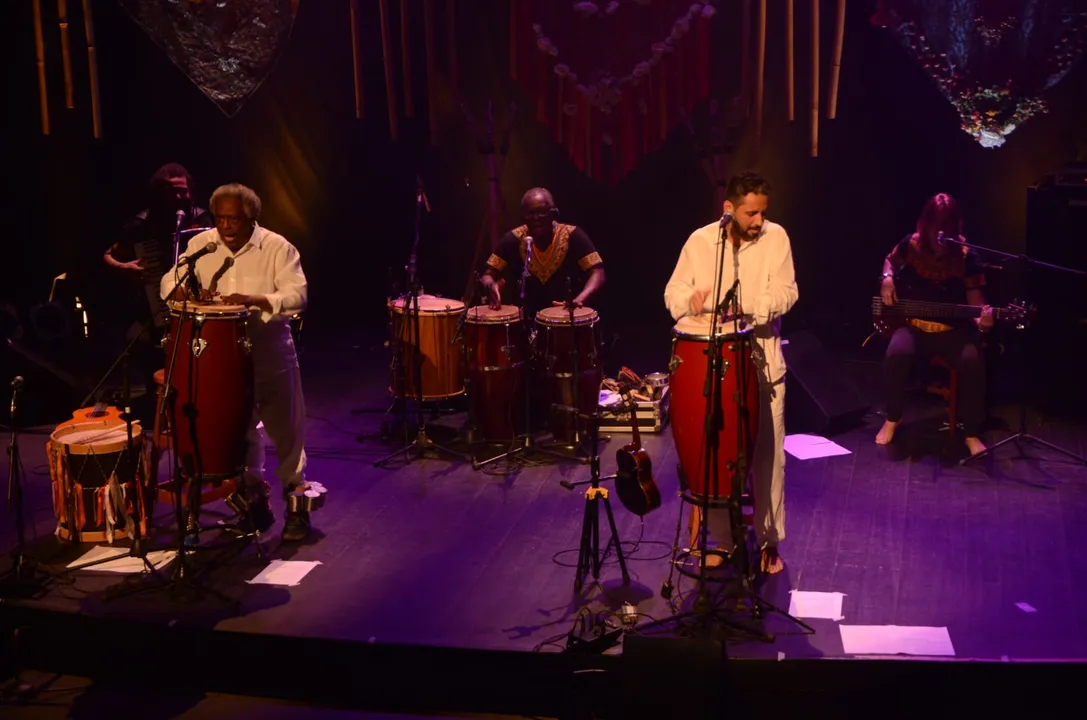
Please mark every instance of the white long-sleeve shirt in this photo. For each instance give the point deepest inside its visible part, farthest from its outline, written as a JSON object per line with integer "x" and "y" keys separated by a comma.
{"x": 767, "y": 288}
{"x": 267, "y": 265}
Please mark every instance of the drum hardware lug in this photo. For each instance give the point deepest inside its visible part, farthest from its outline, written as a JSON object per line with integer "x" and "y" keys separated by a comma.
{"x": 164, "y": 341}
{"x": 246, "y": 344}
{"x": 674, "y": 363}
{"x": 198, "y": 345}
{"x": 198, "y": 319}
{"x": 507, "y": 351}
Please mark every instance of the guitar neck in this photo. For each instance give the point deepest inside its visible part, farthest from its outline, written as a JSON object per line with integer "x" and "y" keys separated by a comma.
{"x": 931, "y": 310}
{"x": 628, "y": 398}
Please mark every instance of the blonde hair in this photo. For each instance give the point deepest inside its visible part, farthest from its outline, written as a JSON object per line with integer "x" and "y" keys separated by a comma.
{"x": 249, "y": 199}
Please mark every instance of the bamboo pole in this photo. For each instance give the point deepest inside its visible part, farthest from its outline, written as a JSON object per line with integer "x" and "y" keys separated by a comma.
{"x": 65, "y": 53}
{"x": 836, "y": 63}
{"x": 405, "y": 55}
{"x": 760, "y": 73}
{"x": 387, "y": 58}
{"x": 356, "y": 58}
{"x": 814, "y": 78}
{"x": 451, "y": 42}
{"x": 431, "y": 70}
{"x": 92, "y": 69}
{"x": 790, "y": 65}
{"x": 39, "y": 52}
{"x": 745, "y": 58}
{"x": 514, "y": 9}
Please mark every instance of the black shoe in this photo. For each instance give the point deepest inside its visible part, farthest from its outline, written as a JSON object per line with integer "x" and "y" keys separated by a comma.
{"x": 255, "y": 516}
{"x": 297, "y": 526}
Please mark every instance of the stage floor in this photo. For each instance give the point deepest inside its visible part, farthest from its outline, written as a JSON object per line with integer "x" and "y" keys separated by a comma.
{"x": 436, "y": 553}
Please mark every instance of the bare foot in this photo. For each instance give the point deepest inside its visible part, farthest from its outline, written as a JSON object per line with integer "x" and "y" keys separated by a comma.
{"x": 975, "y": 445}
{"x": 886, "y": 433}
{"x": 772, "y": 563}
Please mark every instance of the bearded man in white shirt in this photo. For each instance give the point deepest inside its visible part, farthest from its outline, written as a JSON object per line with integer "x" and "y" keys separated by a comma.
{"x": 260, "y": 269}
{"x": 758, "y": 254}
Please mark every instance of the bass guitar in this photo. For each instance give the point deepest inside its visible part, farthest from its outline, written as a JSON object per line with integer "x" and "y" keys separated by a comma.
{"x": 888, "y": 318}
{"x": 634, "y": 479}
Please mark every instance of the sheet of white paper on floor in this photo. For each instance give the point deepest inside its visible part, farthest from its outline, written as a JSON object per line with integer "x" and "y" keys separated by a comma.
{"x": 285, "y": 572}
{"x": 808, "y": 447}
{"x": 819, "y": 605}
{"x": 123, "y": 563}
{"x": 896, "y": 640}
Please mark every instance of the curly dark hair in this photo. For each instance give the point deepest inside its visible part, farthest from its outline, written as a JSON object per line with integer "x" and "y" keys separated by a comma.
{"x": 739, "y": 186}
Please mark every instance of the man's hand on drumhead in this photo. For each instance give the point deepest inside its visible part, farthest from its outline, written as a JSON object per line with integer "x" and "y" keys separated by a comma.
{"x": 494, "y": 296}
{"x": 562, "y": 303}
{"x": 698, "y": 299}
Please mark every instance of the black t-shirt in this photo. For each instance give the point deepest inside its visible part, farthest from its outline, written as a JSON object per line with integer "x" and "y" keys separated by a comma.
{"x": 922, "y": 275}
{"x": 151, "y": 235}
{"x": 570, "y": 254}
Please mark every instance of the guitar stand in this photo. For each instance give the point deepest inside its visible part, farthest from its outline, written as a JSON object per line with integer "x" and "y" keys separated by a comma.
{"x": 590, "y": 558}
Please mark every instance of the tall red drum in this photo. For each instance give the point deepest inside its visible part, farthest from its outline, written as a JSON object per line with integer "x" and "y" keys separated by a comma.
{"x": 690, "y": 344}
{"x": 211, "y": 388}
{"x": 497, "y": 350}
{"x": 560, "y": 344}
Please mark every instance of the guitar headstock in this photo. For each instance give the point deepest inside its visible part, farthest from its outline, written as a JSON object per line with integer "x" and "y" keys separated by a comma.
{"x": 1019, "y": 312}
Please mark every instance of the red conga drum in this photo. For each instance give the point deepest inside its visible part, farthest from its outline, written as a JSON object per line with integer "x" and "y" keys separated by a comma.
{"x": 739, "y": 380}
{"x": 211, "y": 388}
{"x": 558, "y": 342}
{"x": 497, "y": 350}
{"x": 440, "y": 358}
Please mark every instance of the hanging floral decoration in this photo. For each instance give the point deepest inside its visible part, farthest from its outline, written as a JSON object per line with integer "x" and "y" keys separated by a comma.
{"x": 611, "y": 79}
{"x": 992, "y": 59}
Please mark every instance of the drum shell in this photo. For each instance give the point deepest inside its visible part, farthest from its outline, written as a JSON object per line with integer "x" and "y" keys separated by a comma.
{"x": 80, "y": 477}
{"x": 497, "y": 371}
{"x": 211, "y": 398}
{"x": 687, "y": 410}
{"x": 440, "y": 351}
{"x": 555, "y": 347}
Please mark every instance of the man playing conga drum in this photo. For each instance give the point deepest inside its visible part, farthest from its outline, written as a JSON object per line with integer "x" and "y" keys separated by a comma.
{"x": 758, "y": 263}
{"x": 261, "y": 270}
{"x": 558, "y": 253}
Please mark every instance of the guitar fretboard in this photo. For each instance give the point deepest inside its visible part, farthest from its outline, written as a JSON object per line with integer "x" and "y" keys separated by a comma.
{"x": 922, "y": 309}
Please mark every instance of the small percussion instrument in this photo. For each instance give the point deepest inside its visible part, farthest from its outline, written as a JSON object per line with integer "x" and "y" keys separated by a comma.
{"x": 497, "y": 349}
{"x": 739, "y": 379}
{"x": 440, "y": 355}
{"x": 558, "y": 341}
{"x": 211, "y": 389}
{"x": 94, "y": 478}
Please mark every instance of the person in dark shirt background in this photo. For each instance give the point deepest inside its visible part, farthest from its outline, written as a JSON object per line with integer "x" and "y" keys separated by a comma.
{"x": 560, "y": 253}
{"x": 924, "y": 267}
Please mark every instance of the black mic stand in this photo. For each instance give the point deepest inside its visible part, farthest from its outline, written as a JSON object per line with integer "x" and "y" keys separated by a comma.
{"x": 184, "y": 582}
{"x": 1022, "y": 435}
{"x": 26, "y": 578}
{"x": 422, "y": 445}
{"x": 590, "y": 558}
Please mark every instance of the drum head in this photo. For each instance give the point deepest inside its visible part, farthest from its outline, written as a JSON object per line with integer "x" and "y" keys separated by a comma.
{"x": 697, "y": 327}
{"x": 208, "y": 308}
{"x": 100, "y": 436}
{"x": 428, "y": 304}
{"x": 485, "y": 315}
{"x": 561, "y": 316}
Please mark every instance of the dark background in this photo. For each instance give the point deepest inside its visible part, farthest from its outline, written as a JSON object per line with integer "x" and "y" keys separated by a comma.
{"x": 344, "y": 193}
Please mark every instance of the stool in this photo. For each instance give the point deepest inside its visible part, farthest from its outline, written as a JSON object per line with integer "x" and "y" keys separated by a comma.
{"x": 949, "y": 392}
{"x": 162, "y": 439}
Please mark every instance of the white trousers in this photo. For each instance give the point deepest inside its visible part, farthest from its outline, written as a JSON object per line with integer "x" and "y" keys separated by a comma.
{"x": 767, "y": 475}
{"x": 280, "y": 405}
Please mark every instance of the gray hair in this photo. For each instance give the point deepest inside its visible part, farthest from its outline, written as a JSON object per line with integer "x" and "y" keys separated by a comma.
{"x": 249, "y": 199}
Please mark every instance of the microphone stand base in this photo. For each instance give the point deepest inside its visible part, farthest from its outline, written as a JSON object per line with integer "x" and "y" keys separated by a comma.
{"x": 421, "y": 447}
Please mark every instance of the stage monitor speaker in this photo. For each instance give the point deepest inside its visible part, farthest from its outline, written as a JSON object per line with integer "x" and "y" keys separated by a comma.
{"x": 668, "y": 677}
{"x": 820, "y": 398}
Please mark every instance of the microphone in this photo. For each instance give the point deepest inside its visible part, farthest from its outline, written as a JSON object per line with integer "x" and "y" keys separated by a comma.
{"x": 180, "y": 219}
{"x": 190, "y": 259}
{"x": 17, "y": 382}
{"x": 730, "y": 297}
{"x": 726, "y": 218}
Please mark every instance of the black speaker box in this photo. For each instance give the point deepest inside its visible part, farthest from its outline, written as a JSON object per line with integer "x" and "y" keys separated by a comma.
{"x": 667, "y": 677}
{"x": 820, "y": 398}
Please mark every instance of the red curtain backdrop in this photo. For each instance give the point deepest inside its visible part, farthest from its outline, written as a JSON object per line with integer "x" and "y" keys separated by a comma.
{"x": 611, "y": 79}
{"x": 992, "y": 59}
